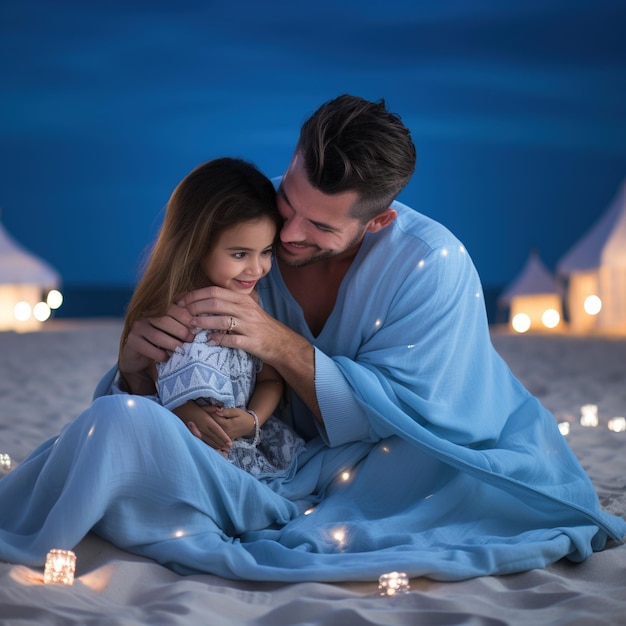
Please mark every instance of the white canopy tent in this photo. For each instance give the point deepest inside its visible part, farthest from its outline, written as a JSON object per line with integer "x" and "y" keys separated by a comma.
{"x": 24, "y": 278}
{"x": 595, "y": 270}
{"x": 533, "y": 293}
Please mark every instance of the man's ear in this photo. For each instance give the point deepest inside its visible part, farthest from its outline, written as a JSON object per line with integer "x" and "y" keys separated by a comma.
{"x": 382, "y": 220}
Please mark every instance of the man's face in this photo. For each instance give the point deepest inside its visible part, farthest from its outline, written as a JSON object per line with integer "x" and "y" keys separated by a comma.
{"x": 317, "y": 226}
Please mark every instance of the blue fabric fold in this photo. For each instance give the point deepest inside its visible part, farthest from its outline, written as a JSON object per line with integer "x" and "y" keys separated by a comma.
{"x": 434, "y": 459}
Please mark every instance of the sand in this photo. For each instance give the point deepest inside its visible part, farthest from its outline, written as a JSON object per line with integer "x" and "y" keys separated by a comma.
{"x": 48, "y": 377}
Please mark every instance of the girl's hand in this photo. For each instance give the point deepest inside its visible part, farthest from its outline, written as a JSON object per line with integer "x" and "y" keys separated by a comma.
{"x": 202, "y": 424}
{"x": 234, "y": 422}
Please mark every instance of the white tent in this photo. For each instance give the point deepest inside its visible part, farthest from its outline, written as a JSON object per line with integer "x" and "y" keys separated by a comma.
{"x": 595, "y": 269}
{"x": 535, "y": 294}
{"x": 24, "y": 278}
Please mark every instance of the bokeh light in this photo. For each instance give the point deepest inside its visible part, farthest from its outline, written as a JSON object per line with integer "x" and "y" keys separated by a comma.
{"x": 520, "y": 323}
{"x": 592, "y": 305}
{"x": 22, "y": 311}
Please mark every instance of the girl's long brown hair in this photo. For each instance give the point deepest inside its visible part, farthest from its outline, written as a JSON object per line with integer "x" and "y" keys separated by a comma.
{"x": 215, "y": 196}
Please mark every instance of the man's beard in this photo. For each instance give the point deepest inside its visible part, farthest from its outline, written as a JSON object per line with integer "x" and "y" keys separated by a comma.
{"x": 320, "y": 255}
{"x": 289, "y": 261}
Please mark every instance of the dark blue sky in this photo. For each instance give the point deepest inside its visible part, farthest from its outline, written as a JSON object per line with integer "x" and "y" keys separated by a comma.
{"x": 517, "y": 108}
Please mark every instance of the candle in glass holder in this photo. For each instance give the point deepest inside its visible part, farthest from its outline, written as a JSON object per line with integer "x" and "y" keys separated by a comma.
{"x": 564, "y": 428}
{"x": 589, "y": 415}
{"x": 60, "y": 566}
{"x": 617, "y": 424}
{"x": 5, "y": 463}
{"x": 393, "y": 583}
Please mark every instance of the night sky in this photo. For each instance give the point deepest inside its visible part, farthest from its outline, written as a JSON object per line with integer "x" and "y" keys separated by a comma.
{"x": 517, "y": 109}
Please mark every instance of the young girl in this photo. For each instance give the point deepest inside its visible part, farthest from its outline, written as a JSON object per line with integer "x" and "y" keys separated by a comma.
{"x": 219, "y": 229}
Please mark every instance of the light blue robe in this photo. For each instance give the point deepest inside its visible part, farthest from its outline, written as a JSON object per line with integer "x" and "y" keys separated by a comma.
{"x": 434, "y": 459}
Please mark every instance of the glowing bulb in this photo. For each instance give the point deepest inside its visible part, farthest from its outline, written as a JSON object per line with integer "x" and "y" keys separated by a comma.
{"x": 345, "y": 475}
{"x": 21, "y": 311}
{"x": 564, "y": 428}
{"x": 550, "y": 318}
{"x": 41, "y": 311}
{"x": 617, "y": 424}
{"x": 592, "y": 305}
{"x": 520, "y": 323}
{"x": 339, "y": 536}
{"x": 54, "y": 299}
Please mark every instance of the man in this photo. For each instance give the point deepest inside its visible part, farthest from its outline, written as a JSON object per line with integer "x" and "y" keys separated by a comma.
{"x": 374, "y": 316}
{"x": 325, "y": 224}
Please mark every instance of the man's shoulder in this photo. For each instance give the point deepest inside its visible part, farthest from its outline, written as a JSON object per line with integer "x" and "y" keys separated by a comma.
{"x": 416, "y": 229}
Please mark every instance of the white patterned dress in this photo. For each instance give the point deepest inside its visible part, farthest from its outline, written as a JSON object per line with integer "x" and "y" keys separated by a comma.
{"x": 207, "y": 373}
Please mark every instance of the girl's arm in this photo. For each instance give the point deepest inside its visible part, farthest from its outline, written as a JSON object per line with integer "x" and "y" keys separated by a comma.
{"x": 266, "y": 396}
{"x": 267, "y": 393}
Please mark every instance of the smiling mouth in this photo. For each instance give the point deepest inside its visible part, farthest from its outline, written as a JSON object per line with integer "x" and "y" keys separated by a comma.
{"x": 294, "y": 245}
{"x": 246, "y": 284}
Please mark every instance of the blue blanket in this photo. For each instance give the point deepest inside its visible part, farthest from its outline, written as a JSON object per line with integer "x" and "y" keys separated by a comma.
{"x": 434, "y": 459}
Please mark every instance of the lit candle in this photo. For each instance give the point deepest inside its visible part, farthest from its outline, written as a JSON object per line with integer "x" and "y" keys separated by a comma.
{"x": 5, "y": 463}
{"x": 617, "y": 424}
{"x": 393, "y": 583}
{"x": 564, "y": 428}
{"x": 60, "y": 566}
{"x": 589, "y": 415}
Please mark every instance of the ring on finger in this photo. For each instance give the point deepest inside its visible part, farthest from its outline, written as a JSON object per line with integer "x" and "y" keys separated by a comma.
{"x": 233, "y": 323}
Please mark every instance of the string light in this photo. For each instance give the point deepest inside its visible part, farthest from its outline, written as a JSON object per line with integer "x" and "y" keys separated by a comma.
{"x": 340, "y": 536}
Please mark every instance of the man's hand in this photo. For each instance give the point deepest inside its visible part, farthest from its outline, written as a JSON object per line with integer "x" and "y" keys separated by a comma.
{"x": 242, "y": 323}
{"x": 152, "y": 340}
{"x": 246, "y": 324}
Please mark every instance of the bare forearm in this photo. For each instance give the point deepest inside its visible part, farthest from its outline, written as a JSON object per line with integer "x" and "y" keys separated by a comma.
{"x": 150, "y": 341}
{"x": 294, "y": 359}
{"x": 189, "y": 412}
{"x": 265, "y": 399}
{"x": 137, "y": 384}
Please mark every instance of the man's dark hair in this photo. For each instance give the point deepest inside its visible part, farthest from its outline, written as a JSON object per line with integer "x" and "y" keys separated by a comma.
{"x": 352, "y": 144}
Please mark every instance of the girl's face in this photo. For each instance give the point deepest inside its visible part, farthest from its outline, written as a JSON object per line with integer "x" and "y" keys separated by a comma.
{"x": 241, "y": 255}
